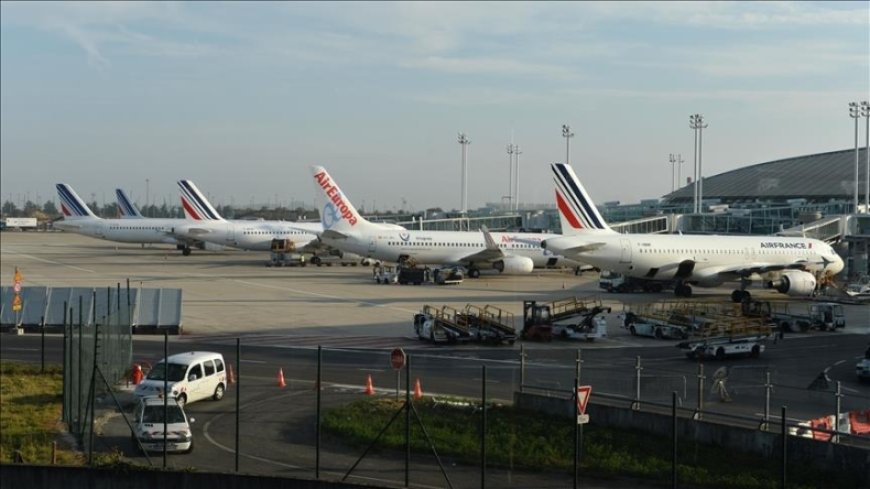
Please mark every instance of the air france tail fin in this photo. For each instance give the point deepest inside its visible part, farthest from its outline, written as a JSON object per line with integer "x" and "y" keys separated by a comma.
{"x": 577, "y": 212}
{"x": 126, "y": 208}
{"x": 71, "y": 205}
{"x": 337, "y": 213}
{"x": 196, "y": 206}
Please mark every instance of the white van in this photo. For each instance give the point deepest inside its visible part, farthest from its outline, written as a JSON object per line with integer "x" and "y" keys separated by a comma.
{"x": 192, "y": 376}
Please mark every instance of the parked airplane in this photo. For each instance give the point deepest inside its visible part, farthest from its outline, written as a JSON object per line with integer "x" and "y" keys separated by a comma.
{"x": 789, "y": 265}
{"x": 205, "y": 223}
{"x": 78, "y": 218}
{"x": 344, "y": 228}
{"x": 126, "y": 208}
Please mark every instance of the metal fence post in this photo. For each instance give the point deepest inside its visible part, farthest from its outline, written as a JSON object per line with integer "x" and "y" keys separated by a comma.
{"x": 674, "y": 435}
{"x": 483, "y": 428}
{"x": 767, "y": 389}
{"x": 576, "y": 425}
{"x": 782, "y": 481}
{"x": 42, "y": 347}
{"x": 165, "y": 389}
{"x": 637, "y": 369}
{"x": 407, "y": 420}
{"x": 317, "y": 431}
{"x": 579, "y": 365}
{"x": 839, "y": 399}
{"x": 238, "y": 395}
{"x": 522, "y": 366}
{"x": 700, "y": 391}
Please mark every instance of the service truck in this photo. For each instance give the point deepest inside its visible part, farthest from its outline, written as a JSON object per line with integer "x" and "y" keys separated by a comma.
{"x": 616, "y": 282}
{"x": 20, "y": 222}
{"x": 824, "y": 316}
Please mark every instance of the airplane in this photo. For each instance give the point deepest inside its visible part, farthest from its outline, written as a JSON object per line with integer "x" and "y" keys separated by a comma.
{"x": 78, "y": 218}
{"x": 344, "y": 228}
{"x": 206, "y": 224}
{"x": 788, "y": 265}
{"x": 126, "y": 208}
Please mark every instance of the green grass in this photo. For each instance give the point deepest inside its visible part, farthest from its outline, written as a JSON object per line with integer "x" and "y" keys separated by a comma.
{"x": 30, "y": 411}
{"x": 534, "y": 441}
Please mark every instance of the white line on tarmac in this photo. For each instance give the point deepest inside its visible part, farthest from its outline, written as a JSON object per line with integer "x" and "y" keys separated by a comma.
{"x": 325, "y": 296}
{"x": 31, "y": 257}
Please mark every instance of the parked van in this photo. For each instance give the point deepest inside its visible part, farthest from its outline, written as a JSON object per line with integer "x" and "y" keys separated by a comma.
{"x": 191, "y": 376}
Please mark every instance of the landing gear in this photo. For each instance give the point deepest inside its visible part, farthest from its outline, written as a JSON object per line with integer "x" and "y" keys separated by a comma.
{"x": 474, "y": 273}
{"x": 740, "y": 296}
{"x": 683, "y": 290}
{"x": 185, "y": 251}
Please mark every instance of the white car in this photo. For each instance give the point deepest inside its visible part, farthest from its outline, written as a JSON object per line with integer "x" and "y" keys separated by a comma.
{"x": 863, "y": 369}
{"x": 148, "y": 423}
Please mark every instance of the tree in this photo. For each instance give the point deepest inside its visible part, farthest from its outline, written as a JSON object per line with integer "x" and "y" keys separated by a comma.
{"x": 50, "y": 209}
{"x": 9, "y": 209}
{"x": 30, "y": 208}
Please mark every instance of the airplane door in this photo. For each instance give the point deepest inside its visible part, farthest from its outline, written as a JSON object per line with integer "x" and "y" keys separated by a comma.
{"x": 231, "y": 234}
{"x": 626, "y": 250}
{"x": 373, "y": 245}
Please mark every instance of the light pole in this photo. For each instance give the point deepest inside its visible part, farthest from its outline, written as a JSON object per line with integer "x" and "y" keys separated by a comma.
{"x": 567, "y": 134}
{"x": 510, "y": 152}
{"x": 464, "y": 142}
{"x": 517, "y": 154}
{"x": 147, "y": 192}
{"x": 865, "y": 111}
{"x": 855, "y": 113}
{"x": 696, "y": 122}
{"x": 673, "y": 171}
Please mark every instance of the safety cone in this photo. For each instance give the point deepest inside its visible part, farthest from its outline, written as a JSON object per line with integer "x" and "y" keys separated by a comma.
{"x": 231, "y": 377}
{"x": 281, "y": 382}
{"x": 418, "y": 391}
{"x": 370, "y": 388}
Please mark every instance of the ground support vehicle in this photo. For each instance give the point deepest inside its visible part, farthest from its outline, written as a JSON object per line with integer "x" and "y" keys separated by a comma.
{"x": 448, "y": 276}
{"x": 336, "y": 257}
{"x": 824, "y": 316}
{"x": 652, "y": 327}
{"x": 148, "y": 423}
{"x": 587, "y": 326}
{"x": 723, "y": 347}
{"x": 862, "y": 369}
{"x": 385, "y": 274}
{"x": 489, "y": 324}
{"x": 190, "y": 377}
{"x": 440, "y": 325}
{"x": 616, "y": 282}
{"x": 283, "y": 253}
{"x": 541, "y": 319}
{"x": 412, "y": 275}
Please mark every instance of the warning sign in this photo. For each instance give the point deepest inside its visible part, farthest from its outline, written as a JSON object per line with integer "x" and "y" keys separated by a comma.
{"x": 16, "y": 303}
{"x": 583, "y": 393}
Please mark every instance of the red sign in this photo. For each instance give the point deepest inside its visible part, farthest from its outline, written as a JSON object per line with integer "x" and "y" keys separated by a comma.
{"x": 583, "y": 393}
{"x": 397, "y": 359}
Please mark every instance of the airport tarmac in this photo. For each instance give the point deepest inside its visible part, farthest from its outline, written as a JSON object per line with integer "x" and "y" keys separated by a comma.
{"x": 233, "y": 293}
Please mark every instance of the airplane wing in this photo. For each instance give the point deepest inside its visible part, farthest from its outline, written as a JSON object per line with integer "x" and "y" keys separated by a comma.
{"x": 490, "y": 253}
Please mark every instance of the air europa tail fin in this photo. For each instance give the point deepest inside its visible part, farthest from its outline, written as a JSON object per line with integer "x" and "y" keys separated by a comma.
{"x": 577, "y": 212}
{"x": 71, "y": 205}
{"x": 125, "y": 206}
{"x": 337, "y": 213}
{"x": 196, "y": 206}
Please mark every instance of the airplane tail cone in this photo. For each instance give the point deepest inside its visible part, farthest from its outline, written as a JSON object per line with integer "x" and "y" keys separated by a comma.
{"x": 370, "y": 388}
{"x": 281, "y": 382}
{"x": 418, "y": 391}
{"x": 231, "y": 377}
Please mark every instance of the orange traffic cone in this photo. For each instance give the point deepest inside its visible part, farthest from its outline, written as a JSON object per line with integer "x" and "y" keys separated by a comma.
{"x": 418, "y": 391}
{"x": 370, "y": 388}
{"x": 281, "y": 382}
{"x": 231, "y": 377}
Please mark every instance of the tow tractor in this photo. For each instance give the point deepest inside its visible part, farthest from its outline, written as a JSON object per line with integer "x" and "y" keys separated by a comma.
{"x": 283, "y": 253}
{"x": 385, "y": 274}
{"x": 569, "y": 318}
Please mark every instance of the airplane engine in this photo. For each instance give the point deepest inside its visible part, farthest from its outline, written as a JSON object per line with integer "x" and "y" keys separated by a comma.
{"x": 514, "y": 265}
{"x": 794, "y": 283}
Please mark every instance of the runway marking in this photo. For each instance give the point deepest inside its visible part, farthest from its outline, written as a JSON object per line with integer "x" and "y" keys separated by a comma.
{"x": 325, "y": 296}
{"x": 50, "y": 261}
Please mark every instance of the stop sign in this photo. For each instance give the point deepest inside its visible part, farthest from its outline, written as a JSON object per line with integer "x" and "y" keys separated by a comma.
{"x": 397, "y": 358}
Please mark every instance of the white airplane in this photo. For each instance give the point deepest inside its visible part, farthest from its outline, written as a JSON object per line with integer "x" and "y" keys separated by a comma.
{"x": 344, "y": 228}
{"x": 788, "y": 265}
{"x": 78, "y": 218}
{"x": 205, "y": 223}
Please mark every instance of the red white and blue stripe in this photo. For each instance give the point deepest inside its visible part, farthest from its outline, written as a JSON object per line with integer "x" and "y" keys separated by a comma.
{"x": 125, "y": 207}
{"x": 70, "y": 203}
{"x": 575, "y": 207}
{"x": 195, "y": 205}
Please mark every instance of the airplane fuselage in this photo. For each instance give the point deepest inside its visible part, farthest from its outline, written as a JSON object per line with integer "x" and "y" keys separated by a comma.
{"x": 249, "y": 235}
{"x": 145, "y": 230}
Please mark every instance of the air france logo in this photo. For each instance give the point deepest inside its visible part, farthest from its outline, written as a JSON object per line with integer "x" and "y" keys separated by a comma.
{"x": 339, "y": 206}
{"x": 780, "y": 245}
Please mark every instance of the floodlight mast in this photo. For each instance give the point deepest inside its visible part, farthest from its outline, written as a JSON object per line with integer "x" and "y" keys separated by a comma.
{"x": 865, "y": 111}
{"x": 464, "y": 142}
{"x": 855, "y": 113}
{"x": 696, "y": 122}
{"x": 510, "y": 152}
{"x": 517, "y": 154}
{"x": 567, "y": 134}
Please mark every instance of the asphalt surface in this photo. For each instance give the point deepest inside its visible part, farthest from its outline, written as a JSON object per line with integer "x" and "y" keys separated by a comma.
{"x": 281, "y": 315}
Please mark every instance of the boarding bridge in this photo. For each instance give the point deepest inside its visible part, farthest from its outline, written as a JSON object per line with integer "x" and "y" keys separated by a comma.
{"x": 829, "y": 229}
{"x": 493, "y": 223}
{"x": 648, "y": 225}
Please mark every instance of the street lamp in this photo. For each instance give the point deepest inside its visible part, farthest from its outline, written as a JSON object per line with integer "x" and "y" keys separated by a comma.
{"x": 567, "y": 134}
{"x": 673, "y": 171}
{"x": 696, "y": 122}
{"x": 464, "y": 142}
{"x": 865, "y": 111}
{"x": 855, "y": 113}
{"x": 510, "y": 152}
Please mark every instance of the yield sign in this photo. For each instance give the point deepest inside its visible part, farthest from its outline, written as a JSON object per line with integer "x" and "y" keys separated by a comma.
{"x": 583, "y": 393}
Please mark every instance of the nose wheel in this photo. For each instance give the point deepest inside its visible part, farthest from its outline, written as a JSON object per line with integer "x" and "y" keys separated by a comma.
{"x": 683, "y": 290}
{"x": 741, "y": 296}
{"x": 185, "y": 251}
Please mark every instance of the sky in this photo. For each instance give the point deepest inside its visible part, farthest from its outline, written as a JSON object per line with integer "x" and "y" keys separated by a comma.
{"x": 243, "y": 98}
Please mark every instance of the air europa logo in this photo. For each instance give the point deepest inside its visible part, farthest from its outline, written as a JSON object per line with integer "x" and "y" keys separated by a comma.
{"x": 335, "y": 197}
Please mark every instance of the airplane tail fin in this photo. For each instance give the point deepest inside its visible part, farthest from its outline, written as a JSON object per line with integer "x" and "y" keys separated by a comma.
{"x": 196, "y": 206}
{"x": 71, "y": 205}
{"x": 125, "y": 206}
{"x": 337, "y": 213}
{"x": 577, "y": 212}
